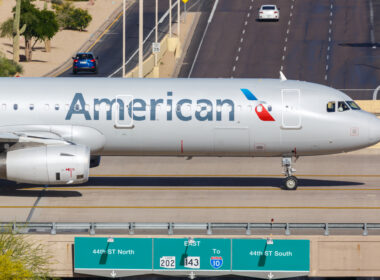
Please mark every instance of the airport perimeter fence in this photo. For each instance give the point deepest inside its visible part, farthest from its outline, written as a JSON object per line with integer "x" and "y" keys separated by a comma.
{"x": 192, "y": 228}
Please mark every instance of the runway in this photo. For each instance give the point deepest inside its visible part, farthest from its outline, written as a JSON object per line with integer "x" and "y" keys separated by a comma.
{"x": 340, "y": 188}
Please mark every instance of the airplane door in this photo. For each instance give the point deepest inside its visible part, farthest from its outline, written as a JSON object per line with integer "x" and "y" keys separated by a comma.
{"x": 291, "y": 115}
{"x": 123, "y": 111}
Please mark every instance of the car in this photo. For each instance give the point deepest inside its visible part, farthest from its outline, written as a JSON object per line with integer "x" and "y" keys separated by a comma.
{"x": 85, "y": 62}
{"x": 269, "y": 12}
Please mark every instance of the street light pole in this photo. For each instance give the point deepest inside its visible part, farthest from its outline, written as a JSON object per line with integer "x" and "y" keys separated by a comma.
{"x": 156, "y": 33}
{"x": 170, "y": 18}
{"x": 178, "y": 18}
{"x": 141, "y": 14}
{"x": 123, "y": 65}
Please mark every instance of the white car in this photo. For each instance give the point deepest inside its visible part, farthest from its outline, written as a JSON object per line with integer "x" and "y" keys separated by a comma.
{"x": 269, "y": 12}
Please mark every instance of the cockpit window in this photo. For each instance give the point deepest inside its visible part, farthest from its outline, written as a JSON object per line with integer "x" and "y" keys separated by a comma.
{"x": 353, "y": 105}
{"x": 342, "y": 106}
{"x": 331, "y": 106}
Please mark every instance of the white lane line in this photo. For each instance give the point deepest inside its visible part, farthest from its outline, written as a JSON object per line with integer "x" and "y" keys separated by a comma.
{"x": 331, "y": 6}
{"x": 246, "y": 22}
{"x": 331, "y": 14}
{"x": 241, "y": 40}
{"x": 326, "y": 77}
{"x": 250, "y": 7}
{"x": 327, "y": 67}
{"x": 283, "y": 57}
{"x": 373, "y": 41}
{"x": 239, "y": 49}
{"x": 291, "y": 14}
{"x": 291, "y": 7}
{"x": 243, "y": 32}
{"x": 289, "y": 22}
{"x": 286, "y": 39}
{"x": 233, "y": 69}
{"x": 237, "y": 58}
{"x": 248, "y": 15}
{"x": 329, "y": 39}
{"x": 328, "y": 48}
{"x": 285, "y": 49}
{"x": 327, "y": 57}
{"x": 329, "y": 30}
{"x": 281, "y": 68}
{"x": 287, "y": 31}
{"x": 204, "y": 34}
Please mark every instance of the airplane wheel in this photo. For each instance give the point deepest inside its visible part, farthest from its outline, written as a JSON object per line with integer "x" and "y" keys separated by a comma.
{"x": 291, "y": 183}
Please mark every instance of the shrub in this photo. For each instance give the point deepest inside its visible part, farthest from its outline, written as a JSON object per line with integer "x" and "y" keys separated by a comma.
{"x": 9, "y": 68}
{"x": 70, "y": 17}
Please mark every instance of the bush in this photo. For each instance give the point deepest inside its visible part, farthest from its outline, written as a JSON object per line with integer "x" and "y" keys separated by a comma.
{"x": 9, "y": 68}
{"x": 70, "y": 17}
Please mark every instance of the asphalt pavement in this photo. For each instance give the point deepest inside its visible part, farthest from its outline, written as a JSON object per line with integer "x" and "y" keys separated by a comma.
{"x": 109, "y": 47}
{"x": 229, "y": 190}
{"x": 327, "y": 42}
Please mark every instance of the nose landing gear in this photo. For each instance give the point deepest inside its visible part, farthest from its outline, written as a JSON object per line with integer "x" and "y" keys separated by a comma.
{"x": 290, "y": 182}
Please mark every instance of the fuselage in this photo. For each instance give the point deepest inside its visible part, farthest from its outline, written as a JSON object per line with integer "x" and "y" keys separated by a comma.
{"x": 188, "y": 117}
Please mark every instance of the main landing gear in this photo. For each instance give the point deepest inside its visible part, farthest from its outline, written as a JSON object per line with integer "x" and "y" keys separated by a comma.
{"x": 290, "y": 182}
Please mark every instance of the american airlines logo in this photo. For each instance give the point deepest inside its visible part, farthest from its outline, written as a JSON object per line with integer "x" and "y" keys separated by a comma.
{"x": 138, "y": 109}
{"x": 260, "y": 109}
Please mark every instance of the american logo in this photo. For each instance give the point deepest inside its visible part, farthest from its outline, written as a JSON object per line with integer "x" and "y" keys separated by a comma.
{"x": 260, "y": 109}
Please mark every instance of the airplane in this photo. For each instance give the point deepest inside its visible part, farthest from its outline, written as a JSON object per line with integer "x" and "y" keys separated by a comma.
{"x": 52, "y": 130}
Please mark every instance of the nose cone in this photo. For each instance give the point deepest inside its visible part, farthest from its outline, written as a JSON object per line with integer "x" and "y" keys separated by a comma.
{"x": 374, "y": 130}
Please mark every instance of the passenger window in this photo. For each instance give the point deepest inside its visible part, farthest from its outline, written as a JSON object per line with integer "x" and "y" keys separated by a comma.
{"x": 56, "y": 107}
{"x": 15, "y": 106}
{"x": 31, "y": 107}
{"x": 342, "y": 106}
{"x": 331, "y": 106}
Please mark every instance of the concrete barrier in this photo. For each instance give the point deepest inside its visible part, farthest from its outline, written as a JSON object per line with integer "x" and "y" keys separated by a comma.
{"x": 330, "y": 256}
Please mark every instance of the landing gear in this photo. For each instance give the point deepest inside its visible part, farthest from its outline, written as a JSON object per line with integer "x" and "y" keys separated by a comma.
{"x": 290, "y": 182}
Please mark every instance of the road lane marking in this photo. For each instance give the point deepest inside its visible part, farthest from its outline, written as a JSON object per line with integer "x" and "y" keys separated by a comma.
{"x": 243, "y": 31}
{"x": 239, "y": 49}
{"x": 195, "y": 207}
{"x": 241, "y": 40}
{"x": 203, "y": 37}
{"x": 237, "y": 58}
{"x": 233, "y": 69}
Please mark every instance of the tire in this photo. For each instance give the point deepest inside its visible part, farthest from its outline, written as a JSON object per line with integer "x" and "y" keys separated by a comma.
{"x": 290, "y": 183}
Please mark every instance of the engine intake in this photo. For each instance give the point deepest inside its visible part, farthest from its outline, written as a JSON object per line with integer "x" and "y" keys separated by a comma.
{"x": 52, "y": 165}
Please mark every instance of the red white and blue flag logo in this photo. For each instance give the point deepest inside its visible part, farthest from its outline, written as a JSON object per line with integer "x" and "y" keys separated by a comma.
{"x": 260, "y": 109}
{"x": 216, "y": 262}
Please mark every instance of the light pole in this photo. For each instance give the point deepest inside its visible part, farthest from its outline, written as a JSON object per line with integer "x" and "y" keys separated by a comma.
{"x": 141, "y": 14}
{"x": 156, "y": 33}
{"x": 178, "y": 17}
{"x": 170, "y": 18}
{"x": 123, "y": 65}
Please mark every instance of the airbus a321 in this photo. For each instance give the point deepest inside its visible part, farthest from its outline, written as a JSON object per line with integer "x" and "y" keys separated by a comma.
{"x": 54, "y": 129}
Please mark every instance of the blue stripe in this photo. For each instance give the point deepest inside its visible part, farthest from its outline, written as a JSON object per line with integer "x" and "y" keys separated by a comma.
{"x": 248, "y": 94}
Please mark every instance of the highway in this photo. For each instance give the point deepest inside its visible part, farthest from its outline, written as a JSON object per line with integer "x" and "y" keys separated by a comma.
{"x": 337, "y": 188}
{"x": 326, "y": 42}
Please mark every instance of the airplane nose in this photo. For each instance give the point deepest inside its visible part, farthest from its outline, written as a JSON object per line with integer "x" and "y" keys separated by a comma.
{"x": 374, "y": 130}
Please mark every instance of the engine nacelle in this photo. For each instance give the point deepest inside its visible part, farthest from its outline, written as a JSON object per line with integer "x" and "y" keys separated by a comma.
{"x": 50, "y": 165}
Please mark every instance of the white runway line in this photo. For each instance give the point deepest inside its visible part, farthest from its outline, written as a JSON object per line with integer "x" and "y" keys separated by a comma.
{"x": 246, "y": 22}
{"x": 330, "y": 40}
{"x": 239, "y": 49}
{"x": 373, "y": 41}
{"x": 241, "y": 40}
{"x": 237, "y": 58}
{"x": 233, "y": 69}
{"x": 248, "y": 15}
{"x": 243, "y": 31}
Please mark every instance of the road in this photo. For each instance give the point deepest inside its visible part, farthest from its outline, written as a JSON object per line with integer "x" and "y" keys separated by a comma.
{"x": 109, "y": 48}
{"x": 338, "y": 188}
{"x": 326, "y": 42}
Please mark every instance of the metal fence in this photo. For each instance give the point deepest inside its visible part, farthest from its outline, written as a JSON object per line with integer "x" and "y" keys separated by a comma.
{"x": 185, "y": 228}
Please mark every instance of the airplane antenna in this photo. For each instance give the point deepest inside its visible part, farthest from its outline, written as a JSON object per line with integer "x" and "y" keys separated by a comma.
{"x": 282, "y": 76}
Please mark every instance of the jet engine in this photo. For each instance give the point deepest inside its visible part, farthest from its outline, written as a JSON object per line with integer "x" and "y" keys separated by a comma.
{"x": 48, "y": 164}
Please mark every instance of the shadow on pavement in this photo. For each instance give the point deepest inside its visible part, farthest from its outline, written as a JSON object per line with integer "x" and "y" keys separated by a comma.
{"x": 360, "y": 45}
{"x": 210, "y": 182}
{"x": 8, "y": 188}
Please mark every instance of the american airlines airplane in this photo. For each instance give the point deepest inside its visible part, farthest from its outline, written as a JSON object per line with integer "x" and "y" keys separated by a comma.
{"x": 54, "y": 129}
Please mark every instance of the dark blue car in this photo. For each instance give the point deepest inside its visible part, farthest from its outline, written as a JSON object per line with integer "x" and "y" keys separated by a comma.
{"x": 85, "y": 62}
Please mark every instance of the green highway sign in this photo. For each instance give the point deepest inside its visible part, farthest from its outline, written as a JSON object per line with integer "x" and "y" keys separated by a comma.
{"x": 112, "y": 253}
{"x": 118, "y": 257}
{"x": 194, "y": 254}
{"x": 275, "y": 255}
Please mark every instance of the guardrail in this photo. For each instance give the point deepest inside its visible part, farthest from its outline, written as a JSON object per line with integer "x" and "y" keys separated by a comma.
{"x": 208, "y": 228}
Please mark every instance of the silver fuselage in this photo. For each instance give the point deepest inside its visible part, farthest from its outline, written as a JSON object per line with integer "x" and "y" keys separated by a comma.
{"x": 186, "y": 117}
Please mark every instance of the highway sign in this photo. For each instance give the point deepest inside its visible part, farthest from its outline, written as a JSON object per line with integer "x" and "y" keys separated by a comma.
{"x": 156, "y": 47}
{"x": 112, "y": 253}
{"x": 278, "y": 255}
{"x": 198, "y": 254}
